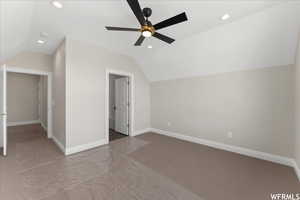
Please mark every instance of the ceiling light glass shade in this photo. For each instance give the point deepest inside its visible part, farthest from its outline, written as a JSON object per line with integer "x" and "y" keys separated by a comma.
{"x": 146, "y": 33}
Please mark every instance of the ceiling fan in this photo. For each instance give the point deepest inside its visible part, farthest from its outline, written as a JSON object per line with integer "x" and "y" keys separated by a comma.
{"x": 147, "y": 29}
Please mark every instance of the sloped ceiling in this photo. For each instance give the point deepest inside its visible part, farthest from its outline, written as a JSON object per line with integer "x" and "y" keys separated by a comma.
{"x": 265, "y": 39}
{"x": 15, "y": 23}
{"x": 259, "y": 33}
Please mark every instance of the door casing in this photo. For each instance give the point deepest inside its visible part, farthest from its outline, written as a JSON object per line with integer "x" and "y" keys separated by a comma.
{"x": 131, "y": 100}
{"x": 3, "y": 110}
{"x": 49, "y": 91}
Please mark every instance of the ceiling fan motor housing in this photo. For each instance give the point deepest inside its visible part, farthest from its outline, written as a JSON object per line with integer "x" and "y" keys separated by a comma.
{"x": 147, "y": 12}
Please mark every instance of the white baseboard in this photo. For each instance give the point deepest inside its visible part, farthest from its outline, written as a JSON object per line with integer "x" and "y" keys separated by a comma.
{"x": 136, "y": 133}
{"x": 240, "y": 150}
{"x": 44, "y": 127}
{"x": 58, "y": 143}
{"x": 85, "y": 147}
{"x": 297, "y": 169}
{"x": 23, "y": 123}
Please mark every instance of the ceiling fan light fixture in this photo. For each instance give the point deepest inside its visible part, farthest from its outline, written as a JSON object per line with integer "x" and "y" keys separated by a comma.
{"x": 147, "y": 29}
{"x": 147, "y": 33}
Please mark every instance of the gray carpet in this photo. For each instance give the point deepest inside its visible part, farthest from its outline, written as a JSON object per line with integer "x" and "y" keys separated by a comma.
{"x": 147, "y": 167}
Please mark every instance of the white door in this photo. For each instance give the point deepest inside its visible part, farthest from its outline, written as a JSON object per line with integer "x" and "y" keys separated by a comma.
{"x": 3, "y": 136}
{"x": 122, "y": 105}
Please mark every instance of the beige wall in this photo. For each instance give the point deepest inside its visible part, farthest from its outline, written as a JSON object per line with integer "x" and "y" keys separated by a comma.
{"x": 297, "y": 108}
{"x": 59, "y": 94}
{"x": 256, "y": 106}
{"x": 43, "y": 111}
{"x": 31, "y": 60}
{"x": 86, "y": 65}
{"x": 22, "y": 97}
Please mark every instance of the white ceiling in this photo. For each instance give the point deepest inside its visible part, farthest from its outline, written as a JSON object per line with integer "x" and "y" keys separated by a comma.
{"x": 265, "y": 39}
{"x": 259, "y": 33}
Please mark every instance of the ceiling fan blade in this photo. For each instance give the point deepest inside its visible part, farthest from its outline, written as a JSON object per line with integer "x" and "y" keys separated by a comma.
{"x": 140, "y": 41}
{"x": 136, "y": 9}
{"x": 171, "y": 21}
{"x": 163, "y": 38}
{"x": 110, "y": 28}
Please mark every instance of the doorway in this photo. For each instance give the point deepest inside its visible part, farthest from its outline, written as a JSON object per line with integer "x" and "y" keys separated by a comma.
{"x": 119, "y": 105}
{"x": 25, "y": 99}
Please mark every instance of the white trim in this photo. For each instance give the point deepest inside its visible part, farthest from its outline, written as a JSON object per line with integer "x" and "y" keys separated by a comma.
{"x": 297, "y": 169}
{"x": 23, "y": 123}
{"x": 240, "y": 150}
{"x": 49, "y": 90}
{"x": 140, "y": 132}
{"x": 44, "y": 127}
{"x": 58, "y": 143}
{"x": 131, "y": 101}
{"x": 39, "y": 99}
{"x": 84, "y": 147}
{"x": 4, "y": 114}
{"x": 27, "y": 71}
{"x": 49, "y": 106}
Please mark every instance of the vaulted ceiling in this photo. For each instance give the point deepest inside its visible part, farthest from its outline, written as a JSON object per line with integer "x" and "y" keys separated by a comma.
{"x": 258, "y": 34}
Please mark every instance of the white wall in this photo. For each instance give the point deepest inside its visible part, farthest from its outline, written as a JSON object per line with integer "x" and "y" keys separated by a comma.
{"x": 59, "y": 94}
{"x": 297, "y": 108}
{"x": 22, "y": 97}
{"x": 32, "y": 60}
{"x": 43, "y": 99}
{"x": 86, "y": 65}
{"x": 255, "y": 105}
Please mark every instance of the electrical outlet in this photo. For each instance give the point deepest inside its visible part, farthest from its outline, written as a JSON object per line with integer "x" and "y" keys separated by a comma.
{"x": 229, "y": 134}
{"x": 169, "y": 124}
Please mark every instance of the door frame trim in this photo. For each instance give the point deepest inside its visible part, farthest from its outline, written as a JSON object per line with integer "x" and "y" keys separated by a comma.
{"x": 4, "y": 116}
{"x": 49, "y": 92}
{"x": 131, "y": 100}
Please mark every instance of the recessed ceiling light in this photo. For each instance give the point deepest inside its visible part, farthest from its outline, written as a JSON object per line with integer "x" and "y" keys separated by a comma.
{"x": 41, "y": 41}
{"x": 57, "y": 4}
{"x": 149, "y": 47}
{"x": 225, "y": 17}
